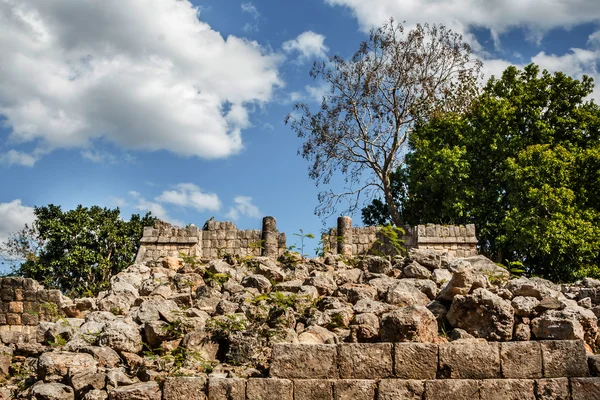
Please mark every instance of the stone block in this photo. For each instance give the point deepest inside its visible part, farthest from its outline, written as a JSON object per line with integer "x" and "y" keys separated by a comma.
{"x": 396, "y": 389}
{"x": 269, "y": 389}
{"x": 521, "y": 360}
{"x": 354, "y": 389}
{"x": 469, "y": 359}
{"x": 585, "y": 388}
{"x": 506, "y": 389}
{"x": 304, "y": 361}
{"x": 13, "y": 319}
{"x": 313, "y": 389}
{"x": 552, "y": 389}
{"x": 30, "y": 319}
{"x": 415, "y": 360}
{"x": 15, "y": 307}
{"x": 564, "y": 359}
{"x": 226, "y": 389}
{"x": 184, "y": 388}
{"x": 452, "y": 389}
{"x": 365, "y": 360}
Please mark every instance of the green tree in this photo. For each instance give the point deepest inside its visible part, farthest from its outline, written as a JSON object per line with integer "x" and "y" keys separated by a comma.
{"x": 523, "y": 164}
{"x": 395, "y": 79}
{"x": 76, "y": 251}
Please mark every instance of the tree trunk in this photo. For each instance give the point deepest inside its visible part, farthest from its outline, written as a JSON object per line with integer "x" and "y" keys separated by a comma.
{"x": 389, "y": 199}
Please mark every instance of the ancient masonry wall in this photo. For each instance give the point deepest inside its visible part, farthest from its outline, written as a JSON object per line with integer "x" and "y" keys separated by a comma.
{"x": 25, "y": 303}
{"x": 457, "y": 240}
{"x": 214, "y": 240}
{"x": 385, "y": 371}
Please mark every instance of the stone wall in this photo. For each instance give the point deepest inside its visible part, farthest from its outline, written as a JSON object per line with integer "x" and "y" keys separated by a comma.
{"x": 385, "y": 371}
{"x": 214, "y": 240}
{"x": 457, "y": 240}
{"x": 24, "y": 304}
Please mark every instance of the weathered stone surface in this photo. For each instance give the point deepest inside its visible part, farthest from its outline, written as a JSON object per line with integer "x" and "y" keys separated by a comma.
{"x": 521, "y": 360}
{"x": 594, "y": 365}
{"x": 354, "y": 389}
{"x": 552, "y": 389}
{"x": 184, "y": 388}
{"x": 430, "y": 259}
{"x": 54, "y": 366}
{"x": 95, "y": 395}
{"x": 409, "y": 324}
{"x": 482, "y": 314}
{"x": 461, "y": 283}
{"x": 404, "y": 294}
{"x": 104, "y": 356}
{"x": 121, "y": 336}
{"x": 5, "y": 360}
{"x": 52, "y": 391}
{"x": 304, "y": 361}
{"x": 137, "y": 391}
{"x": 269, "y": 389}
{"x": 488, "y": 268}
{"x": 585, "y": 388}
{"x": 313, "y": 389}
{"x": 415, "y": 360}
{"x": 524, "y": 306}
{"x": 506, "y": 389}
{"x": 394, "y": 389}
{"x": 258, "y": 282}
{"x": 469, "y": 359}
{"x": 534, "y": 288}
{"x": 565, "y": 358}
{"x": 452, "y": 389}
{"x": 365, "y": 361}
{"x": 226, "y": 389}
{"x": 85, "y": 382}
{"x": 416, "y": 270}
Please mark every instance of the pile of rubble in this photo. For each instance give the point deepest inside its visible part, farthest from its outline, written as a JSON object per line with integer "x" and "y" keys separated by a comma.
{"x": 222, "y": 317}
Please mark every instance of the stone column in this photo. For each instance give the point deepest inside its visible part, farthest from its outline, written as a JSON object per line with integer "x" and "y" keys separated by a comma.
{"x": 269, "y": 237}
{"x": 344, "y": 231}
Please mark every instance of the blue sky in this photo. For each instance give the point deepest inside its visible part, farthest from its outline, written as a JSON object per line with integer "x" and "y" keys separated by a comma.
{"x": 177, "y": 107}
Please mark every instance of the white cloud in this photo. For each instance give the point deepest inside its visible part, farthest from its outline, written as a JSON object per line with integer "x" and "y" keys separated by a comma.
{"x": 14, "y": 157}
{"x": 251, "y": 9}
{"x": 243, "y": 207}
{"x": 141, "y": 74}
{"x": 461, "y": 15}
{"x": 99, "y": 157}
{"x": 190, "y": 195}
{"x": 308, "y": 44}
{"x": 156, "y": 209}
{"x": 13, "y": 217}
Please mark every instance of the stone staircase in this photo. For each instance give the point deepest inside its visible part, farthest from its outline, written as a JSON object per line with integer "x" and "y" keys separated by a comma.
{"x": 465, "y": 369}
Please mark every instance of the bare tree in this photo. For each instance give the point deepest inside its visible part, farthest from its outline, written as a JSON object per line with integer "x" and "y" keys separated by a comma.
{"x": 394, "y": 80}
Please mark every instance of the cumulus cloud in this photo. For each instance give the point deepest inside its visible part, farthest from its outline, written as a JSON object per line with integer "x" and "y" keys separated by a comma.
{"x": 141, "y": 74}
{"x": 251, "y": 10}
{"x": 14, "y": 157}
{"x": 460, "y": 15}
{"x": 308, "y": 45}
{"x": 243, "y": 207}
{"x": 190, "y": 195}
{"x": 155, "y": 208}
{"x": 13, "y": 217}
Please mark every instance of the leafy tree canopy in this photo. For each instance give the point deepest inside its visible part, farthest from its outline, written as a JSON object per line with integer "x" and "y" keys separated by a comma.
{"x": 523, "y": 164}
{"x": 76, "y": 251}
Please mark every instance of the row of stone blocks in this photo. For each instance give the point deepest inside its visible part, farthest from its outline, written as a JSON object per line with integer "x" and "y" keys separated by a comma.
{"x": 186, "y": 388}
{"x": 463, "y": 359}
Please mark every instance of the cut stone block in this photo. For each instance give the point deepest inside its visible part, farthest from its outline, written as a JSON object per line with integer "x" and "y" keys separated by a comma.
{"x": 313, "y": 389}
{"x": 226, "y": 389}
{"x": 269, "y": 389}
{"x": 452, "y": 389}
{"x": 365, "y": 360}
{"x": 184, "y": 388}
{"x": 354, "y": 389}
{"x": 304, "y": 361}
{"x": 415, "y": 360}
{"x": 405, "y": 389}
{"x": 552, "y": 389}
{"x": 469, "y": 359}
{"x": 506, "y": 389}
{"x": 521, "y": 360}
{"x": 564, "y": 358}
{"x": 585, "y": 388}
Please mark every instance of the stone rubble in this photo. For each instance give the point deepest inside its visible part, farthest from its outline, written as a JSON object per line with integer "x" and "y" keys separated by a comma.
{"x": 225, "y": 321}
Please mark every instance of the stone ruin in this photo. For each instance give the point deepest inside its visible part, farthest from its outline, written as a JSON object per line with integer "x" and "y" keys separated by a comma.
{"x": 259, "y": 323}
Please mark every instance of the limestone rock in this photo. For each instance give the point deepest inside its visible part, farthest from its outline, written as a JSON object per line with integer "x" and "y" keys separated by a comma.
{"x": 416, "y": 270}
{"x": 137, "y": 391}
{"x": 483, "y": 314}
{"x": 430, "y": 259}
{"x": 52, "y": 391}
{"x": 54, "y": 366}
{"x": 121, "y": 336}
{"x": 404, "y": 294}
{"x": 409, "y": 324}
